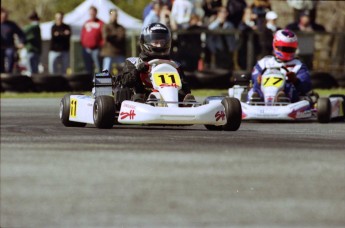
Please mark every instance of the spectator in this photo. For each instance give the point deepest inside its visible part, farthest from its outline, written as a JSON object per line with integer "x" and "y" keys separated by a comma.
{"x": 247, "y": 26}
{"x": 92, "y": 41}
{"x": 8, "y": 48}
{"x": 266, "y": 34}
{"x": 301, "y": 6}
{"x": 306, "y": 41}
{"x": 148, "y": 9}
{"x": 235, "y": 11}
{"x": 180, "y": 14}
{"x": 165, "y": 14}
{"x": 210, "y": 8}
{"x": 197, "y": 9}
{"x": 260, "y": 8}
{"x": 222, "y": 46}
{"x": 304, "y": 24}
{"x": 154, "y": 15}
{"x": 114, "y": 48}
{"x": 59, "y": 46}
{"x": 190, "y": 45}
{"x": 33, "y": 43}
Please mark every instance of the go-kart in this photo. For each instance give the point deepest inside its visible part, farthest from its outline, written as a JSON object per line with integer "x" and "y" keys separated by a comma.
{"x": 111, "y": 104}
{"x": 277, "y": 107}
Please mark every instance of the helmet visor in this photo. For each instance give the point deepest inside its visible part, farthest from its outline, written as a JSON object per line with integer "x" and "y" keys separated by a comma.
{"x": 157, "y": 39}
{"x": 286, "y": 49}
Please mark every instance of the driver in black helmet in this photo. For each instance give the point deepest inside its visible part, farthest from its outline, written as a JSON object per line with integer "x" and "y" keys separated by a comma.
{"x": 155, "y": 43}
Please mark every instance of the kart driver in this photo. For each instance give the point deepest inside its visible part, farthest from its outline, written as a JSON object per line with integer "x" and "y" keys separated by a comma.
{"x": 155, "y": 43}
{"x": 298, "y": 78}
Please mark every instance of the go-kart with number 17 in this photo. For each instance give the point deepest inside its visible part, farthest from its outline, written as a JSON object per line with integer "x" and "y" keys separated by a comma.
{"x": 110, "y": 104}
{"x": 277, "y": 107}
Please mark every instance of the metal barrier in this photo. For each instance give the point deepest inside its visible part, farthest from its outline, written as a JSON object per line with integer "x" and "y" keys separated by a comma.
{"x": 327, "y": 49}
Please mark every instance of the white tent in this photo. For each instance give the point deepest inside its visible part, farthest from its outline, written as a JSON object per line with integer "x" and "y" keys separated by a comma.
{"x": 80, "y": 15}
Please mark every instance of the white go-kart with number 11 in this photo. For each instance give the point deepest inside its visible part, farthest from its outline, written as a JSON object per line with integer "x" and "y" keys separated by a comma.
{"x": 110, "y": 104}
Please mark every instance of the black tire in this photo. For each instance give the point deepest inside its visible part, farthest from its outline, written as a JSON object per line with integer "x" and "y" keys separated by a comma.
{"x": 16, "y": 83}
{"x": 233, "y": 113}
{"x": 104, "y": 112}
{"x": 323, "y": 80}
{"x": 50, "y": 83}
{"x": 324, "y": 110}
{"x": 213, "y": 78}
{"x": 65, "y": 111}
{"x": 214, "y": 127}
{"x": 80, "y": 81}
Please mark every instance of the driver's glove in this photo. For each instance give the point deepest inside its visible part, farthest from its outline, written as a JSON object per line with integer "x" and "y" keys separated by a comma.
{"x": 292, "y": 77}
{"x": 143, "y": 67}
{"x": 258, "y": 79}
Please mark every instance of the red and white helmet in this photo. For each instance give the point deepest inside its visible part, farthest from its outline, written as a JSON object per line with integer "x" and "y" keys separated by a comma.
{"x": 285, "y": 45}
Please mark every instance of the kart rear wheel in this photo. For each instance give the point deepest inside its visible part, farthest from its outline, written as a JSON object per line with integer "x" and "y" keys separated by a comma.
{"x": 104, "y": 112}
{"x": 233, "y": 113}
{"x": 65, "y": 110}
{"x": 324, "y": 110}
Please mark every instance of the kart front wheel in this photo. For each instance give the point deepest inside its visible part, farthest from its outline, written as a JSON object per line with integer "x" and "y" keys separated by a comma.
{"x": 342, "y": 107}
{"x": 324, "y": 110}
{"x": 233, "y": 113}
{"x": 65, "y": 109}
{"x": 207, "y": 101}
{"x": 104, "y": 112}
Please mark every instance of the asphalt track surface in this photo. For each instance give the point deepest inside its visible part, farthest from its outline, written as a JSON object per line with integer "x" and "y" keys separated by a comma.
{"x": 263, "y": 175}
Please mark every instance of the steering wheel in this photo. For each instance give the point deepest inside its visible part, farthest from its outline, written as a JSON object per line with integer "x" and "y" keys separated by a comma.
{"x": 155, "y": 62}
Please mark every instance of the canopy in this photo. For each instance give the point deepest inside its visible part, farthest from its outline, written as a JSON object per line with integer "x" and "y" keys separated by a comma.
{"x": 80, "y": 15}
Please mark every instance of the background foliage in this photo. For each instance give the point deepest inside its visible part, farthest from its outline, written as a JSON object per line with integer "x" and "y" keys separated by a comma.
{"x": 20, "y": 9}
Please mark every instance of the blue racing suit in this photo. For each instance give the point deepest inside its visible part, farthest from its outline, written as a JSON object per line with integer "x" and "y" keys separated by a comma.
{"x": 302, "y": 85}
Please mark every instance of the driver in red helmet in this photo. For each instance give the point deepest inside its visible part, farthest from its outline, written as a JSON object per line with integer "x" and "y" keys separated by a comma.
{"x": 298, "y": 83}
{"x": 155, "y": 43}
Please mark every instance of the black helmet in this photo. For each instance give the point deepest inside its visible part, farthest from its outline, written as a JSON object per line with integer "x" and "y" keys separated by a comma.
{"x": 155, "y": 40}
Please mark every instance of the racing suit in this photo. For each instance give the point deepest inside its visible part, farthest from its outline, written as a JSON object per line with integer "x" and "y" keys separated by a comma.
{"x": 301, "y": 86}
{"x": 140, "y": 81}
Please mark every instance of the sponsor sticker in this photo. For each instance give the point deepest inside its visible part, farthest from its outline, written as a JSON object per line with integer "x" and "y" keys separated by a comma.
{"x": 220, "y": 115}
{"x": 130, "y": 115}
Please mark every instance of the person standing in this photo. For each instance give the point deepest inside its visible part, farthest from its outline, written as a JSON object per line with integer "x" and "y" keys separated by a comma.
{"x": 221, "y": 46}
{"x": 33, "y": 43}
{"x": 114, "y": 48}
{"x": 180, "y": 14}
{"x": 8, "y": 49}
{"x": 154, "y": 15}
{"x": 267, "y": 32}
{"x": 235, "y": 11}
{"x": 59, "y": 46}
{"x": 91, "y": 41}
{"x": 306, "y": 41}
{"x": 302, "y": 6}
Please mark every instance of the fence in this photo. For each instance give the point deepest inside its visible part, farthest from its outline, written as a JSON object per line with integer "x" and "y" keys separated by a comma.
{"x": 326, "y": 50}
